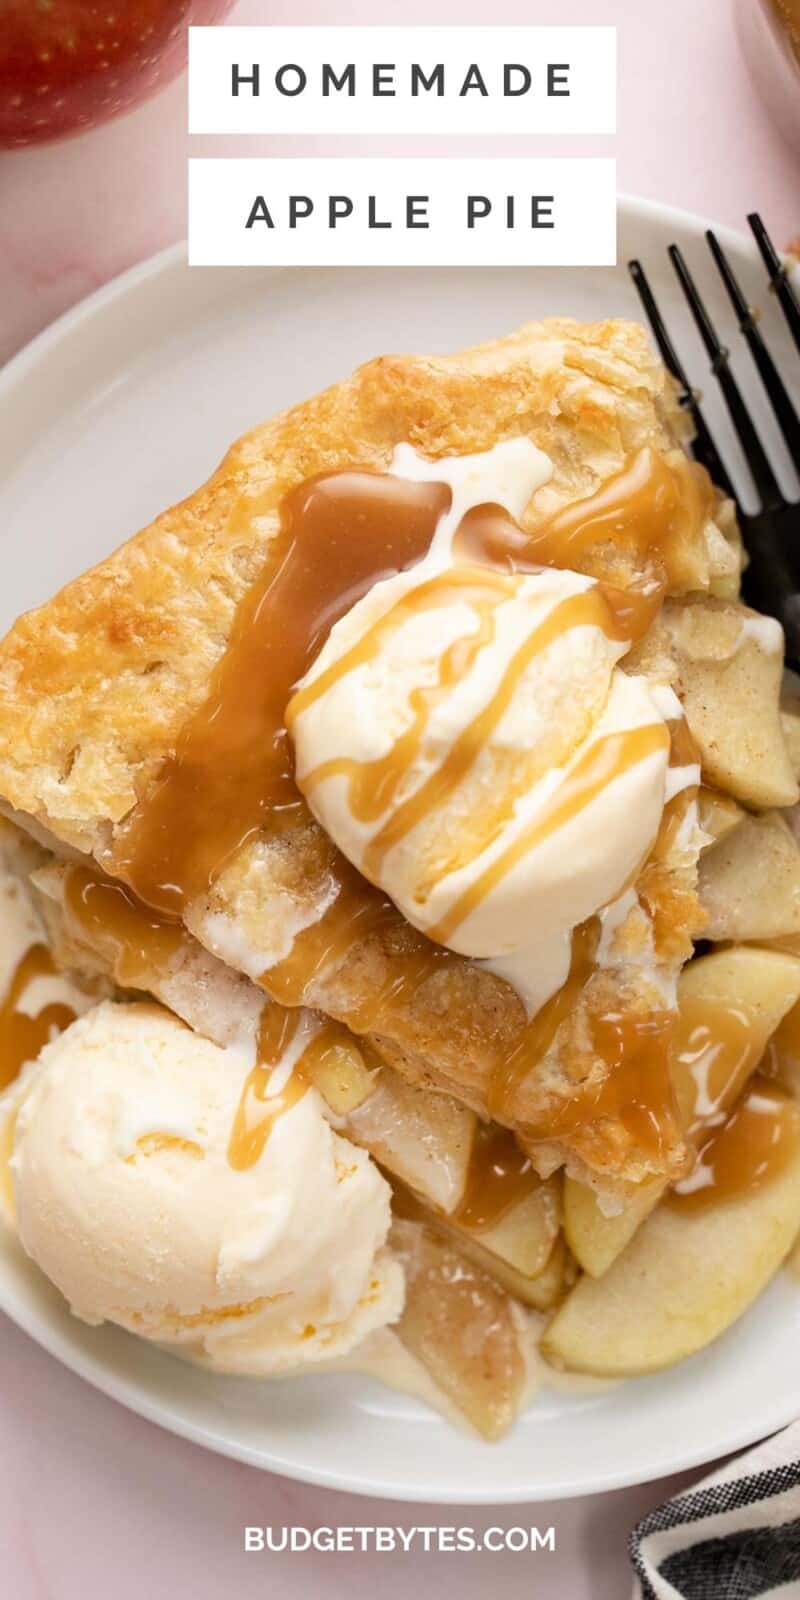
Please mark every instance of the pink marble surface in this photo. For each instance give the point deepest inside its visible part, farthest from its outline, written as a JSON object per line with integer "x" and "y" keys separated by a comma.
{"x": 691, "y": 132}
{"x": 93, "y": 1500}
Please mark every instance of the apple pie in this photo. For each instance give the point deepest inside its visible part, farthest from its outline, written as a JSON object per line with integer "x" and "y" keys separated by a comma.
{"x": 416, "y": 754}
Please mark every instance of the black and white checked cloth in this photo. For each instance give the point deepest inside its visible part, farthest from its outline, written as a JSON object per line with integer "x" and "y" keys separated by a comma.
{"x": 733, "y": 1537}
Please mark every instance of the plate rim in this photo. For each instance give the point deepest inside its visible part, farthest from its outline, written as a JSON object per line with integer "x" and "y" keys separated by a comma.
{"x": 138, "y": 1400}
{"x": 135, "y": 1395}
{"x": 163, "y": 261}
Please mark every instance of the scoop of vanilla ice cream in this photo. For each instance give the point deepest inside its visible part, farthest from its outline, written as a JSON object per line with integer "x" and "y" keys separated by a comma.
{"x": 126, "y": 1199}
{"x": 446, "y": 715}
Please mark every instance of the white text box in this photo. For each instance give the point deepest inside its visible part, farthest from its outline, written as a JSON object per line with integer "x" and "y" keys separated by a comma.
{"x": 407, "y": 80}
{"x": 383, "y": 212}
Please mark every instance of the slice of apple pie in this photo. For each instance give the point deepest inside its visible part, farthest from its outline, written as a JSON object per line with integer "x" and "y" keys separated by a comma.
{"x": 408, "y": 760}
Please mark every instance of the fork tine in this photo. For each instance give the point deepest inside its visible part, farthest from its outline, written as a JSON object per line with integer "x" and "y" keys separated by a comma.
{"x": 778, "y": 276}
{"x": 703, "y": 447}
{"x": 780, "y": 401}
{"x": 763, "y": 475}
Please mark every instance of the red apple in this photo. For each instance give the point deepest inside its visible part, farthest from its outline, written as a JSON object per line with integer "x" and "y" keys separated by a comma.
{"x": 66, "y": 65}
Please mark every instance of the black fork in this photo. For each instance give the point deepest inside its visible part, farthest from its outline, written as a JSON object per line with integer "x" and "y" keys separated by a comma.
{"x": 772, "y": 533}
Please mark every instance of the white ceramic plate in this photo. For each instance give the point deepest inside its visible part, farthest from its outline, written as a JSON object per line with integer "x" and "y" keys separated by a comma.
{"x": 118, "y": 410}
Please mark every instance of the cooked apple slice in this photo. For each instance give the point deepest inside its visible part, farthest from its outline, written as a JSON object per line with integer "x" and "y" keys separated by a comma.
{"x": 461, "y": 1326}
{"x": 718, "y": 814}
{"x": 749, "y": 882}
{"x": 782, "y": 1059}
{"x": 345, "y": 1074}
{"x": 422, "y": 1137}
{"x": 682, "y": 1280}
{"x": 524, "y": 1236}
{"x": 506, "y": 1206}
{"x": 724, "y": 543}
{"x": 730, "y": 1004}
{"x": 542, "y": 1291}
{"x": 729, "y": 667}
{"x": 596, "y": 1239}
{"x": 542, "y": 1287}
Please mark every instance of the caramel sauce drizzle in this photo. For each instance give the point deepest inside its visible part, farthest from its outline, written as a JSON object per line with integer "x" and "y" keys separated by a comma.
{"x": 541, "y": 1030}
{"x": 21, "y": 1036}
{"x": 672, "y": 819}
{"x": 683, "y": 749}
{"x": 751, "y": 1147}
{"x": 653, "y": 506}
{"x": 636, "y": 1087}
{"x": 357, "y": 913}
{"x": 698, "y": 1066}
{"x": 716, "y": 1051}
{"x": 136, "y": 941}
{"x": 499, "y": 1177}
{"x": 743, "y": 1130}
{"x": 636, "y": 1090}
{"x": 258, "y": 1111}
{"x": 372, "y": 786}
{"x": 232, "y": 773}
{"x": 602, "y": 764}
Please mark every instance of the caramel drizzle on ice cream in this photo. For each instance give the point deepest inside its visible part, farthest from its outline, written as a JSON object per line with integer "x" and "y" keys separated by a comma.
{"x": 23, "y": 1036}
{"x": 257, "y": 1111}
{"x": 605, "y": 761}
{"x": 373, "y": 786}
